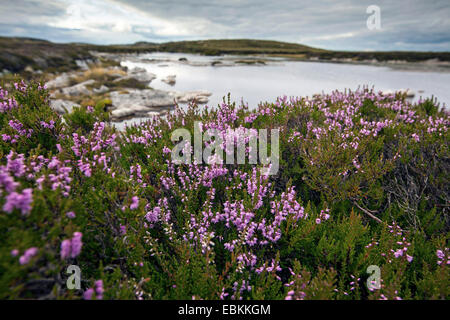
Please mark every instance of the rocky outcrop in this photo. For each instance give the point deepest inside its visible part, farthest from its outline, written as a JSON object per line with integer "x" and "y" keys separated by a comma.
{"x": 139, "y": 74}
{"x": 63, "y": 80}
{"x": 78, "y": 89}
{"x": 199, "y": 96}
{"x": 62, "y": 106}
{"x": 170, "y": 80}
{"x": 100, "y": 90}
{"x": 139, "y": 102}
{"x": 409, "y": 93}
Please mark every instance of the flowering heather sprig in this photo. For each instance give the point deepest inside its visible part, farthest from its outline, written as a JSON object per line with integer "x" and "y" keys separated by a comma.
{"x": 50, "y": 125}
{"x": 443, "y": 256}
{"x": 71, "y": 248}
{"x": 134, "y": 203}
{"x": 28, "y": 255}
{"x": 96, "y": 292}
{"x": 21, "y": 201}
{"x": 6, "y": 181}
{"x": 18, "y": 126}
{"x": 6, "y": 103}
{"x": 70, "y": 215}
{"x": 324, "y": 215}
{"x": 21, "y": 86}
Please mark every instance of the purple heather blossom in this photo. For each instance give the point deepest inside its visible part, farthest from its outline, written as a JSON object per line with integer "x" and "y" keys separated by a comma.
{"x": 398, "y": 253}
{"x": 21, "y": 201}
{"x": 71, "y": 248}
{"x": 14, "y": 253}
{"x": 70, "y": 215}
{"x": 153, "y": 215}
{"x": 97, "y": 291}
{"x": 134, "y": 203}
{"x": 66, "y": 247}
{"x": 28, "y": 254}
{"x": 76, "y": 244}
{"x": 87, "y": 295}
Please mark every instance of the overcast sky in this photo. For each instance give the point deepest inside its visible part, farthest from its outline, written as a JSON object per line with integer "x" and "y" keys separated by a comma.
{"x": 341, "y": 25}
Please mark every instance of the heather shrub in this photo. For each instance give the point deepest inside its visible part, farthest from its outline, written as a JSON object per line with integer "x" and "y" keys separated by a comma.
{"x": 363, "y": 181}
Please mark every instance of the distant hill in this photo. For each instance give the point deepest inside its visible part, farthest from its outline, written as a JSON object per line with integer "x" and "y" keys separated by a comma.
{"x": 18, "y": 53}
{"x": 238, "y": 46}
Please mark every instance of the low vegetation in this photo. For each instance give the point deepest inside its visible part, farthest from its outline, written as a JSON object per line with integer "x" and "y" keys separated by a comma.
{"x": 363, "y": 181}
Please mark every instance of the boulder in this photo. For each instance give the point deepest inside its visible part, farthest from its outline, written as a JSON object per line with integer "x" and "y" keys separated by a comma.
{"x": 63, "y": 80}
{"x": 29, "y": 69}
{"x": 100, "y": 90}
{"x": 135, "y": 102}
{"x": 82, "y": 64}
{"x": 62, "y": 106}
{"x": 170, "y": 80}
{"x": 200, "y": 96}
{"x": 78, "y": 89}
{"x": 139, "y": 74}
{"x": 409, "y": 93}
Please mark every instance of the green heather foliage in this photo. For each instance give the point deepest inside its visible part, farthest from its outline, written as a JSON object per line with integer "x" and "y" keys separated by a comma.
{"x": 363, "y": 180}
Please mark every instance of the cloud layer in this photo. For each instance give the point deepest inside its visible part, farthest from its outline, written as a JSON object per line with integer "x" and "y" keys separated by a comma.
{"x": 340, "y": 25}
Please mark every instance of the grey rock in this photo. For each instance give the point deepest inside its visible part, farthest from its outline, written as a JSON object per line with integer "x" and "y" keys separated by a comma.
{"x": 170, "y": 80}
{"x": 139, "y": 102}
{"x": 62, "y": 106}
{"x": 200, "y": 96}
{"x": 63, "y": 80}
{"x": 82, "y": 64}
{"x": 102, "y": 89}
{"x": 78, "y": 89}
{"x": 139, "y": 74}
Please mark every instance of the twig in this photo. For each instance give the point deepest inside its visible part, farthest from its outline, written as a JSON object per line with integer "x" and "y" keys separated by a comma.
{"x": 368, "y": 213}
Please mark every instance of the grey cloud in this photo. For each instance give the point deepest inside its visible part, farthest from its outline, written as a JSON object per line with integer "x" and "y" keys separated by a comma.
{"x": 340, "y": 25}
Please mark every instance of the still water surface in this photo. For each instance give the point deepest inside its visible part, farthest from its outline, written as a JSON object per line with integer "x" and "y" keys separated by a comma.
{"x": 255, "y": 83}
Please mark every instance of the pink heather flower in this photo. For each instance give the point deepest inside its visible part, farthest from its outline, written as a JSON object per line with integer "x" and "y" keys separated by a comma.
{"x": 71, "y": 247}
{"x": 66, "y": 247}
{"x": 318, "y": 221}
{"x": 409, "y": 258}
{"x": 134, "y": 203}
{"x": 87, "y": 295}
{"x": 415, "y": 136}
{"x": 440, "y": 254}
{"x": 28, "y": 254}
{"x": 14, "y": 253}
{"x": 76, "y": 244}
{"x": 70, "y": 215}
{"x": 153, "y": 216}
{"x": 398, "y": 253}
{"x": 99, "y": 289}
{"x": 19, "y": 201}
{"x": 123, "y": 229}
{"x": 8, "y": 182}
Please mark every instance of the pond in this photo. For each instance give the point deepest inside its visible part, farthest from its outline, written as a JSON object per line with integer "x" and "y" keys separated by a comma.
{"x": 257, "y": 83}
